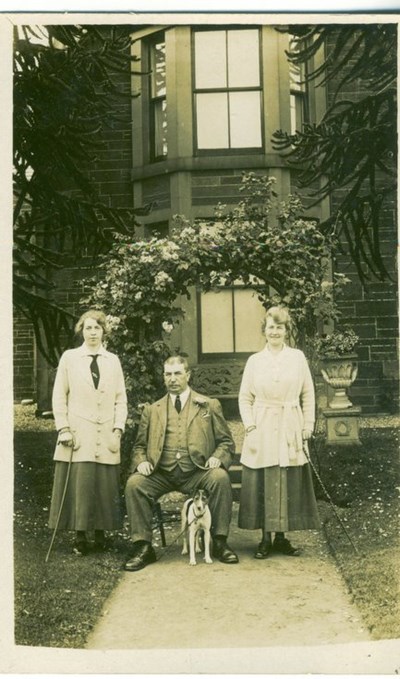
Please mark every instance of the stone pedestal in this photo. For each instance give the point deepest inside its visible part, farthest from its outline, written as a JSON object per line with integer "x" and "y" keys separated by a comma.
{"x": 342, "y": 426}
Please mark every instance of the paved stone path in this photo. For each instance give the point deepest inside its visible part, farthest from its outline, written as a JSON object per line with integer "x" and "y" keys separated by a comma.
{"x": 281, "y": 601}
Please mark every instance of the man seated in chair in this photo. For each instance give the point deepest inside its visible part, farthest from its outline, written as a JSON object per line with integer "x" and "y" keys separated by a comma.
{"x": 183, "y": 443}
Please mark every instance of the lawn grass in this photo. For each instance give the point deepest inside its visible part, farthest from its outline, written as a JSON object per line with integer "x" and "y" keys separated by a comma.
{"x": 364, "y": 483}
{"x": 57, "y": 603}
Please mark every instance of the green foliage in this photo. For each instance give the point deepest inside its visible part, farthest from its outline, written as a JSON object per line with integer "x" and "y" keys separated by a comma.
{"x": 68, "y": 90}
{"x": 354, "y": 145}
{"x": 140, "y": 283}
{"x": 337, "y": 343}
{"x": 265, "y": 243}
{"x": 270, "y": 245}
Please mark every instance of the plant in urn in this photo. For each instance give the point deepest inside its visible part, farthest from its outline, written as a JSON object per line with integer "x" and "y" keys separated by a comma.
{"x": 339, "y": 365}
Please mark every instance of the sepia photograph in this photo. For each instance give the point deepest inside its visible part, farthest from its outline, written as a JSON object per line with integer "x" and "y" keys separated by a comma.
{"x": 200, "y": 396}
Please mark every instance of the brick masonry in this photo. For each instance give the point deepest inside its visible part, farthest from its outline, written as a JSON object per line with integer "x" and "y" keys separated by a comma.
{"x": 372, "y": 309}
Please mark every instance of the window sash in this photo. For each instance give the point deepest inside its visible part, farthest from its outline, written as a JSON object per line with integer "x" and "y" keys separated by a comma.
{"x": 230, "y": 321}
{"x": 158, "y": 100}
{"x": 227, "y": 96}
{"x": 159, "y": 128}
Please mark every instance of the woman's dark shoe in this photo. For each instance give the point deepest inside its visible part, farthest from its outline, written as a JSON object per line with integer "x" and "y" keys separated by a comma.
{"x": 283, "y": 546}
{"x": 263, "y": 550}
{"x": 102, "y": 545}
{"x": 80, "y": 547}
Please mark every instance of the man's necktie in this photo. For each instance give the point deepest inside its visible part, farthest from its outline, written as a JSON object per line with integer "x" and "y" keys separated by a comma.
{"x": 178, "y": 404}
{"x": 94, "y": 369}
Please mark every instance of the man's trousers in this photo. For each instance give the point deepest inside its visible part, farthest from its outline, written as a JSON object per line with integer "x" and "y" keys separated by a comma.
{"x": 141, "y": 493}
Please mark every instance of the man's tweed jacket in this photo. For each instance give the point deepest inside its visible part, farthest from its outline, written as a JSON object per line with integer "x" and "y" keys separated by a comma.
{"x": 207, "y": 432}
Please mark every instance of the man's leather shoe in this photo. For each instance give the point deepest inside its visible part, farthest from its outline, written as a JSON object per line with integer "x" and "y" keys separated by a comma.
{"x": 223, "y": 552}
{"x": 143, "y": 556}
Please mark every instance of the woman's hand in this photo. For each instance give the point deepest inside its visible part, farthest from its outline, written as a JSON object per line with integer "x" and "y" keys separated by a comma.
{"x": 145, "y": 468}
{"x": 252, "y": 440}
{"x": 65, "y": 438}
{"x": 306, "y": 434}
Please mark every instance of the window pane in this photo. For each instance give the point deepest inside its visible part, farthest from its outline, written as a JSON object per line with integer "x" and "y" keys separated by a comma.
{"x": 296, "y": 112}
{"x": 245, "y": 119}
{"x": 216, "y": 322}
{"x": 243, "y": 58}
{"x": 210, "y": 66}
{"x": 160, "y": 128}
{"x": 157, "y": 65}
{"x": 212, "y": 121}
{"x": 249, "y": 314}
{"x": 296, "y": 71}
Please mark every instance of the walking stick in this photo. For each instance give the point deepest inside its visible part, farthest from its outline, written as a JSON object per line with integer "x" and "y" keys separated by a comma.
{"x": 61, "y": 503}
{"x": 305, "y": 449}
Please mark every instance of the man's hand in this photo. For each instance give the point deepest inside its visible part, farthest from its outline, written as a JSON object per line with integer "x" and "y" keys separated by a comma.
{"x": 213, "y": 463}
{"x": 306, "y": 434}
{"x": 145, "y": 468}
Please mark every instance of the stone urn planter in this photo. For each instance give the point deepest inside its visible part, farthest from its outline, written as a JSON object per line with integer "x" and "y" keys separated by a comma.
{"x": 339, "y": 373}
{"x": 339, "y": 367}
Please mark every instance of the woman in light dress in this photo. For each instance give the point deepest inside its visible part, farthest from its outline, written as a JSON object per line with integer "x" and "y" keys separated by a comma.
{"x": 90, "y": 410}
{"x": 277, "y": 407}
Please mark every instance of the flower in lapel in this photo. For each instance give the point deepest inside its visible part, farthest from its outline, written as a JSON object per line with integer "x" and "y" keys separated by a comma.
{"x": 202, "y": 404}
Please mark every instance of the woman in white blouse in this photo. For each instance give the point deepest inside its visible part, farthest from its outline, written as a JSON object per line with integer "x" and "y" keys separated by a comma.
{"x": 277, "y": 407}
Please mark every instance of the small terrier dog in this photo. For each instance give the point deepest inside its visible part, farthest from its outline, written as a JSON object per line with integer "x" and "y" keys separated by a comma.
{"x": 196, "y": 521}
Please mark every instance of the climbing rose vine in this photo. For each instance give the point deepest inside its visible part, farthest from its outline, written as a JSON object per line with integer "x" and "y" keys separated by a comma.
{"x": 264, "y": 242}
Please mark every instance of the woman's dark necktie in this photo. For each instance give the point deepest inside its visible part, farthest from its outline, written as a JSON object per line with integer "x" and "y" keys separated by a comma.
{"x": 95, "y": 372}
{"x": 178, "y": 404}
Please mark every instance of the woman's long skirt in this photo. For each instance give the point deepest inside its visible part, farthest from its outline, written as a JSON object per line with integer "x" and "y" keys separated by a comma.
{"x": 278, "y": 499}
{"x": 92, "y": 500}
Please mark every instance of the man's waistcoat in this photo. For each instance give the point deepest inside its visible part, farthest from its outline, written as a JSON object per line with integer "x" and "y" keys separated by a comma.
{"x": 175, "y": 451}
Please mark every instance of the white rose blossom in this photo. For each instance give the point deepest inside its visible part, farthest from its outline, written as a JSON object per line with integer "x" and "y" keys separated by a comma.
{"x": 167, "y": 326}
{"x": 161, "y": 279}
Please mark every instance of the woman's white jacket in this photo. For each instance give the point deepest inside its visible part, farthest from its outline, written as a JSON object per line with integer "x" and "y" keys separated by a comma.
{"x": 91, "y": 414}
{"x": 277, "y": 395}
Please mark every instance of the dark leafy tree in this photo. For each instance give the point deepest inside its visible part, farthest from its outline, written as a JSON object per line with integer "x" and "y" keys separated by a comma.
{"x": 351, "y": 153}
{"x": 68, "y": 89}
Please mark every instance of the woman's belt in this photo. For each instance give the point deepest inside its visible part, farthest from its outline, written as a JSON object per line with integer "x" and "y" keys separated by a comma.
{"x": 271, "y": 403}
{"x": 290, "y": 423}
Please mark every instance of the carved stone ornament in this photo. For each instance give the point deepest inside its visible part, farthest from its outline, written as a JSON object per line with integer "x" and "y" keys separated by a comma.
{"x": 340, "y": 373}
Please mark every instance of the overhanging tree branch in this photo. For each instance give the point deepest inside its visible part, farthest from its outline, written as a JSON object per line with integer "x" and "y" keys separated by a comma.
{"x": 68, "y": 90}
{"x": 354, "y": 145}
